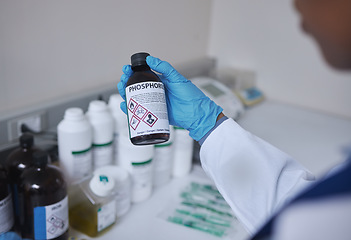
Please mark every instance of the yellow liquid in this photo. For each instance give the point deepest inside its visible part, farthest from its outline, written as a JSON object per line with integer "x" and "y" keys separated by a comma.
{"x": 84, "y": 218}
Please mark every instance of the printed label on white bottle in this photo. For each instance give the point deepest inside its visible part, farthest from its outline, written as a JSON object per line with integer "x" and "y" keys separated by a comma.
{"x": 6, "y": 213}
{"x": 115, "y": 147}
{"x": 142, "y": 174}
{"x": 163, "y": 157}
{"x": 147, "y": 109}
{"x": 106, "y": 215}
{"x": 103, "y": 154}
{"x": 51, "y": 221}
{"x": 82, "y": 163}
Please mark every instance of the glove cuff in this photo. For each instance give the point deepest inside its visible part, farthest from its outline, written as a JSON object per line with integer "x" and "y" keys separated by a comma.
{"x": 210, "y": 112}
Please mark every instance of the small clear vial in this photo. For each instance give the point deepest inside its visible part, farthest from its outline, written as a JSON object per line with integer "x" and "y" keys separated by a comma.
{"x": 146, "y": 104}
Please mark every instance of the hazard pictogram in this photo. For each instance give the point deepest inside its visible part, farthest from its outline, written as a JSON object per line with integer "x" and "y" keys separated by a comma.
{"x": 134, "y": 122}
{"x": 56, "y": 222}
{"x": 132, "y": 105}
{"x": 140, "y": 112}
{"x": 150, "y": 119}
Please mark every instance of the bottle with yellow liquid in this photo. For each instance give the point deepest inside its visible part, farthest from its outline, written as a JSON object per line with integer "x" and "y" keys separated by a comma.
{"x": 92, "y": 203}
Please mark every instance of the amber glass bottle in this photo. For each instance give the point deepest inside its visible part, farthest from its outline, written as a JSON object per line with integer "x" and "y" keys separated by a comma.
{"x": 18, "y": 161}
{"x": 6, "y": 209}
{"x": 43, "y": 201}
{"x": 146, "y": 104}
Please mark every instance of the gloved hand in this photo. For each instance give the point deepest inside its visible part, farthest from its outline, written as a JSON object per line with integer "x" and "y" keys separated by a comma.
{"x": 188, "y": 107}
{"x": 10, "y": 236}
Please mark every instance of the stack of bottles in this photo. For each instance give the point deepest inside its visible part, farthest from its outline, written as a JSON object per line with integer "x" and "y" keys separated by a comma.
{"x": 101, "y": 174}
{"x": 33, "y": 199}
{"x": 105, "y": 173}
{"x": 98, "y": 143}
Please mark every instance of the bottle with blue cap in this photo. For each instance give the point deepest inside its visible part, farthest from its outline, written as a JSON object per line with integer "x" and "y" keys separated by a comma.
{"x": 92, "y": 208}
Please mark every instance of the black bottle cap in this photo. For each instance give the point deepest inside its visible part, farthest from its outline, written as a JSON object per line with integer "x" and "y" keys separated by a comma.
{"x": 26, "y": 140}
{"x": 139, "y": 59}
{"x": 40, "y": 158}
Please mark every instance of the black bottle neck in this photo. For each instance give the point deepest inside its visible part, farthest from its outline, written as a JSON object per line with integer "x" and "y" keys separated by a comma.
{"x": 141, "y": 68}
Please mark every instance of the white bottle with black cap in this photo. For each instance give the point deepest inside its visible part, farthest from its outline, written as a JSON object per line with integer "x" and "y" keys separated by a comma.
{"x": 75, "y": 136}
{"x": 102, "y": 122}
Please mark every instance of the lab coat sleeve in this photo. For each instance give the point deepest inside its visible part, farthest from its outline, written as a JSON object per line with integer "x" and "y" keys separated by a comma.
{"x": 254, "y": 177}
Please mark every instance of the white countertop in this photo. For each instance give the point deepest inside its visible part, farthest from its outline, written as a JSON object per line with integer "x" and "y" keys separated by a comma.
{"x": 143, "y": 221}
{"x": 314, "y": 139}
{"x": 317, "y": 140}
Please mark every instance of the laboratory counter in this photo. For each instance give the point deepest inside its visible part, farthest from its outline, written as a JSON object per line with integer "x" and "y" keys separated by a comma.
{"x": 148, "y": 219}
{"x": 317, "y": 140}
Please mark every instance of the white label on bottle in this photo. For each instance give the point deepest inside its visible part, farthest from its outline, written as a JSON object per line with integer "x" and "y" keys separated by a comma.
{"x": 103, "y": 154}
{"x": 115, "y": 146}
{"x": 83, "y": 163}
{"x": 122, "y": 199}
{"x": 147, "y": 109}
{"x": 163, "y": 158}
{"x": 51, "y": 221}
{"x": 106, "y": 215}
{"x": 6, "y": 214}
{"x": 141, "y": 174}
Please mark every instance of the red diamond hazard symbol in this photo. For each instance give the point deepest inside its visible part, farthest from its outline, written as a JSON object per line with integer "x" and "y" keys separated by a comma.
{"x": 150, "y": 119}
{"x": 140, "y": 111}
{"x": 132, "y": 105}
{"x": 134, "y": 122}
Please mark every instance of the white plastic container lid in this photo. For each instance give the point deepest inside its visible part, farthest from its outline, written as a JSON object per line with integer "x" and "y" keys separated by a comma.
{"x": 120, "y": 175}
{"x": 97, "y": 106}
{"x": 102, "y": 184}
{"x": 114, "y": 102}
{"x": 122, "y": 187}
{"x": 74, "y": 114}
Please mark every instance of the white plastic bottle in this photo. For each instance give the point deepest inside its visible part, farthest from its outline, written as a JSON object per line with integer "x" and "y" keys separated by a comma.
{"x": 183, "y": 152}
{"x": 163, "y": 161}
{"x": 92, "y": 205}
{"x": 118, "y": 117}
{"x": 75, "y": 136}
{"x": 122, "y": 187}
{"x": 102, "y": 122}
{"x": 137, "y": 160}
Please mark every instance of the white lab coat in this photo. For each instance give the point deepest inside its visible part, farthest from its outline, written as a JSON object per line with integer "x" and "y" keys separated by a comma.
{"x": 254, "y": 177}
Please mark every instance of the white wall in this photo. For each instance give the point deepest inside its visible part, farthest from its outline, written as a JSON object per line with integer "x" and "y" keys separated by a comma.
{"x": 52, "y": 49}
{"x": 265, "y": 36}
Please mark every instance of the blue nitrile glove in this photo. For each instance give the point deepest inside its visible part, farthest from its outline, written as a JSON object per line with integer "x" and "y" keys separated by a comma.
{"x": 188, "y": 107}
{"x": 10, "y": 236}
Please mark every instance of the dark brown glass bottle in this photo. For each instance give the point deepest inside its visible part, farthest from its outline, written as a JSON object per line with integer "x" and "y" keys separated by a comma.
{"x": 146, "y": 104}
{"x": 6, "y": 209}
{"x": 43, "y": 201}
{"x": 18, "y": 161}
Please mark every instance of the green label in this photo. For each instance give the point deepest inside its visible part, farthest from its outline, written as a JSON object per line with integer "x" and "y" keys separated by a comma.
{"x": 141, "y": 163}
{"x": 163, "y": 145}
{"x": 103, "y": 145}
{"x": 80, "y": 152}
